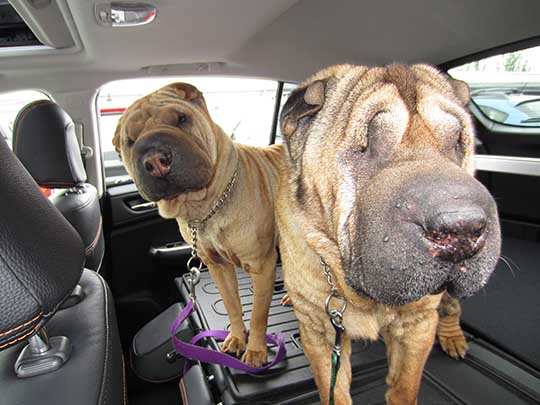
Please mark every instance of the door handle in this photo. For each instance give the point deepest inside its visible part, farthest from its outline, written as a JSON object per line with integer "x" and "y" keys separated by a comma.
{"x": 150, "y": 205}
{"x": 171, "y": 250}
{"x": 139, "y": 205}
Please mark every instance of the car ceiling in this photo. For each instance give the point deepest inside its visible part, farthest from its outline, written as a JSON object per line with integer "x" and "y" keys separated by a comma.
{"x": 281, "y": 39}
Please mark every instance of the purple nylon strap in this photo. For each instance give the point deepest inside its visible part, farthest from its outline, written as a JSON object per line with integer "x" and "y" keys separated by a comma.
{"x": 193, "y": 352}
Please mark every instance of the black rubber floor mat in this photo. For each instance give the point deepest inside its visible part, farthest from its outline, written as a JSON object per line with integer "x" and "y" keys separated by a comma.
{"x": 507, "y": 311}
{"x": 484, "y": 377}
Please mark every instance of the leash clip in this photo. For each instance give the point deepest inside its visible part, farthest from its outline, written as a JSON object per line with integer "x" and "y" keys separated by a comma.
{"x": 337, "y": 322}
{"x": 336, "y": 318}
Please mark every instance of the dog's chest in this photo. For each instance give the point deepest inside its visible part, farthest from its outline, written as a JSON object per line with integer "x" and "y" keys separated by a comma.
{"x": 216, "y": 246}
{"x": 366, "y": 324}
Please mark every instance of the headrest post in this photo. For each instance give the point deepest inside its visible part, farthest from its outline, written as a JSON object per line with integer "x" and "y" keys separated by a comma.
{"x": 42, "y": 355}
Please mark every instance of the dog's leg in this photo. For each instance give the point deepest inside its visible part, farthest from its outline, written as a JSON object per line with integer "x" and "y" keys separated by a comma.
{"x": 318, "y": 350}
{"x": 449, "y": 332}
{"x": 263, "y": 279}
{"x": 408, "y": 347}
{"x": 226, "y": 280}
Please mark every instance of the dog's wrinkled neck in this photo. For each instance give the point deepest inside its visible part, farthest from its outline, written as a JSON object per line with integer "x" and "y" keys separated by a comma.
{"x": 224, "y": 168}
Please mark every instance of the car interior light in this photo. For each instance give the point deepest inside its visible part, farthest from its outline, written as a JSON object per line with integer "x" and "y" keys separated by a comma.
{"x": 124, "y": 14}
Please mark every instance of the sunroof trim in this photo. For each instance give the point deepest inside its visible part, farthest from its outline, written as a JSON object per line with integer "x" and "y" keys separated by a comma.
{"x": 14, "y": 31}
{"x": 49, "y": 23}
{"x": 19, "y": 50}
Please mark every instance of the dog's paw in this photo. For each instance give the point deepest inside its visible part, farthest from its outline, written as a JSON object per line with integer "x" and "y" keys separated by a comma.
{"x": 286, "y": 301}
{"x": 255, "y": 358}
{"x": 233, "y": 344}
{"x": 454, "y": 346}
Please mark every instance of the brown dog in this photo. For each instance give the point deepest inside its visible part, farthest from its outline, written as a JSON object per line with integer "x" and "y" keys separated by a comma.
{"x": 180, "y": 158}
{"x": 379, "y": 186}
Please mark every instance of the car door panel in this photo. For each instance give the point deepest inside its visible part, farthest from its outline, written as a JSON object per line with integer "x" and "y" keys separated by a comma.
{"x": 145, "y": 254}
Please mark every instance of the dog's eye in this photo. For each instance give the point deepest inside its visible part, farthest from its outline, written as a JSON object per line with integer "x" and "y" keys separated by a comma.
{"x": 129, "y": 143}
{"x": 182, "y": 118}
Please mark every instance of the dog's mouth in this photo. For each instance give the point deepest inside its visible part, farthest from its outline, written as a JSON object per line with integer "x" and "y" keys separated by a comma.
{"x": 415, "y": 266}
{"x": 192, "y": 195}
{"x": 171, "y": 197}
{"x": 403, "y": 297}
{"x": 453, "y": 247}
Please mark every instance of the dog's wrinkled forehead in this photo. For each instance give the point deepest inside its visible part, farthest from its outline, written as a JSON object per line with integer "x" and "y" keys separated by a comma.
{"x": 164, "y": 107}
{"x": 412, "y": 82}
{"x": 348, "y": 104}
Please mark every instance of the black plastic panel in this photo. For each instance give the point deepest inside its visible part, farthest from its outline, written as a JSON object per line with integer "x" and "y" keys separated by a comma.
{"x": 484, "y": 377}
{"x": 506, "y": 312}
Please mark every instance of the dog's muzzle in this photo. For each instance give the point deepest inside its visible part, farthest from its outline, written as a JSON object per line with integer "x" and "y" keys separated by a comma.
{"x": 167, "y": 164}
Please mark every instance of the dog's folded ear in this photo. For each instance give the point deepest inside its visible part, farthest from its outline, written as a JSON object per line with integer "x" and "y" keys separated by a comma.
{"x": 185, "y": 91}
{"x": 303, "y": 102}
{"x": 462, "y": 91}
{"x": 116, "y": 137}
{"x": 188, "y": 92}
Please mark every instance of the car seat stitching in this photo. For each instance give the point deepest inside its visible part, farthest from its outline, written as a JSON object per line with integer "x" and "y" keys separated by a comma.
{"x": 90, "y": 248}
{"x": 22, "y": 337}
{"x": 103, "y": 390}
{"x": 23, "y": 325}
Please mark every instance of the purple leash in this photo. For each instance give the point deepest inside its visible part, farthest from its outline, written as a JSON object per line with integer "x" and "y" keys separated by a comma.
{"x": 190, "y": 350}
{"x": 193, "y": 352}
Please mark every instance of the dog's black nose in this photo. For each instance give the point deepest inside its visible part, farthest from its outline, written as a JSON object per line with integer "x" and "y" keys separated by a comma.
{"x": 157, "y": 162}
{"x": 457, "y": 233}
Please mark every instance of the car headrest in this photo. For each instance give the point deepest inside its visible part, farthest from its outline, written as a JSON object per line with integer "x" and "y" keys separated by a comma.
{"x": 41, "y": 254}
{"x": 45, "y": 142}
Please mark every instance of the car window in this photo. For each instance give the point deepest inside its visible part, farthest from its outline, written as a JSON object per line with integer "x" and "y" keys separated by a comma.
{"x": 506, "y": 88}
{"x": 243, "y": 107}
{"x": 10, "y": 105}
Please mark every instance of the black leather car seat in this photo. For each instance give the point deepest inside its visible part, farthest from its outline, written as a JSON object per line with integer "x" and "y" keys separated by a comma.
{"x": 45, "y": 142}
{"x": 41, "y": 262}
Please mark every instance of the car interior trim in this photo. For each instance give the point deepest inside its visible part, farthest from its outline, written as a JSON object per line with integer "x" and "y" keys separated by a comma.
{"x": 508, "y": 164}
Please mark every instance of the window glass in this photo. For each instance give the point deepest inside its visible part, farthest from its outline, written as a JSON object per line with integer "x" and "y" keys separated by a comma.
{"x": 506, "y": 87}
{"x": 10, "y": 105}
{"x": 242, "y": 107}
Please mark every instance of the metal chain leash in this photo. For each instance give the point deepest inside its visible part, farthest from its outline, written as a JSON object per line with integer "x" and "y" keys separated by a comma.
{"x": 195, "y": 271}
{"x": 336, "y": 317}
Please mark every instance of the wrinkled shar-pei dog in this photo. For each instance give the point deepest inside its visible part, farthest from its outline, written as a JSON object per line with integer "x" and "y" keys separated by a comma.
{"x": 379, "y": 193}
{"x": 178, "y": 156}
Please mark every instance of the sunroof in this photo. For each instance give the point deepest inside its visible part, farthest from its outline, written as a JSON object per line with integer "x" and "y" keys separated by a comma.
{"x": 13, "y": 30}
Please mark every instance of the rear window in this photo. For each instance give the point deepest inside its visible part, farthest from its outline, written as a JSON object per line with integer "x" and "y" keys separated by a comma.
{"x": 506, "y": 88}
{"x": 243, "y": 108}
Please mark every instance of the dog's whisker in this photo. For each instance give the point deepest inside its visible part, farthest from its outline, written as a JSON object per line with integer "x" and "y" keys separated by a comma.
{"x": 506, "y": 261}
{"x": 514, "y": 264}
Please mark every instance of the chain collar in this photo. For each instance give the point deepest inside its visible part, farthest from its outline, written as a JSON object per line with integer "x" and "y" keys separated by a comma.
{"x": 219, "y": 203}
{"x": 336, "y": 318}
{"x": 194, "y": 225}
{"x": 336, "y": 315}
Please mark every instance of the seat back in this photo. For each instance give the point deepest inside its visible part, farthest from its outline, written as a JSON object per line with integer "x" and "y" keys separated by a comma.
{"x": 41, "y": 255}
{"x": 45, "y": 142}
{"x": 78, "y": 359}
